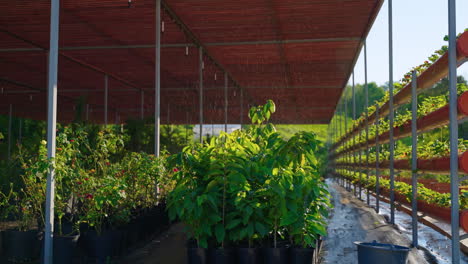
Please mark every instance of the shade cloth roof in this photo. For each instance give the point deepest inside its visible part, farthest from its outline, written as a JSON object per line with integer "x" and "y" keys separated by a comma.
{"x": 300, "y": 53}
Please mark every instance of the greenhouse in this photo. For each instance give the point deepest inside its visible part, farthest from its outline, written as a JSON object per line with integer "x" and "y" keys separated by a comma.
{"x": 215, "y": 131}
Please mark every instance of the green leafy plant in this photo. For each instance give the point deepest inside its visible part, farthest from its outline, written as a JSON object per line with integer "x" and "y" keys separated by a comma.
{"x": 248, "y": 186}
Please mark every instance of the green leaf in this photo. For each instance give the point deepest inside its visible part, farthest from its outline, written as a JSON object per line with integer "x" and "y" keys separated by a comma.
{"x": 219, "y": 232}
{"x": 233, "y": 223}
{"x": 261, "y": 229}
{"x": 289, "y": 219}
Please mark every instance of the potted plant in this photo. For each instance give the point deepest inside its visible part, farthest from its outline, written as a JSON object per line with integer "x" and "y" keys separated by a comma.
{"x": 23, "y": 242}
{"x": 103, "y": 209}
{"x": 7, "y": 209}
{"x": 194, "y": 200}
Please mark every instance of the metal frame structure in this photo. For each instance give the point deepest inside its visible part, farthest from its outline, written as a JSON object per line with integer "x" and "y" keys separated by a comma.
{"x": 51, "y": 127}
{"x": 10, "y": 121}
{"x": 337, "y": 130}
{"x": 414, "y": 157}
{"x": 453, "y": 126}
{"x": 336, "y": 141}
{"x": 366, "y": 106}
{"x": 157, "y": 78}
{"x": 391, "y": 112}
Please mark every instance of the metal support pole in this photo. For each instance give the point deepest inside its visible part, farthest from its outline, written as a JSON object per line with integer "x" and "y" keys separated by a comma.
{"x": 225, "y": 101}
{"x": 366, "y": 106}
{"x": 106, "y": 97}
{"x": 345, "y": 123}
{"x": 142, "y": 103}
{"x": 157, "y": 80}
{"x": 10, "y": 121}
{"x": 51, "y": 128}
{"x": 241, "y": 107}
{"x": 87, "y": 112}
{"x": 339, "y": 123}
{"x": 200, "y": 76}
{"x": 186, "y": 127}
{"x": 452, "y": 55}
{"x": 414, "y": 158}
{"x": 377, "y": 150}
{"x": 354, "y": 137}
{"x": 391, "y": 114}
{"x": 20, "y": 131}
{"x": 360, "y": 168}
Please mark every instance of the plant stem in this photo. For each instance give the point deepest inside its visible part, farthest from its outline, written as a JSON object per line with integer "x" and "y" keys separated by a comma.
{"x": 274, "y": 235}
{"x": 224, "y": 202}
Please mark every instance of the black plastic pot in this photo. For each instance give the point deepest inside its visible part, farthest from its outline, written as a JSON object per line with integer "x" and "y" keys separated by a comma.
{"x": 144, "y": 222}
{"x": 275, "y": 255}
{"x": 197, "y": 255}
{"x": 221, "y": 256}
{"x": 64, "y": 248}
{"x": 1, "y": 243}
{"x": 132, "y": 238}
{"x": 301, "y": 255}
{"x": 124, "y": 245}
{"x": 381, "y": 253}
{"x": 21, "y": 246}
{"x": 99, "y": 246}
{"x": 248, "y": 256}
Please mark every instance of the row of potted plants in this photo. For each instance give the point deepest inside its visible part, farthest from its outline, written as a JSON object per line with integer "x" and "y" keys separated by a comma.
{"x": 432, "y": 113}
{"x": 430, "y": 201}
{"x": 429, "y": 72}
{"x": 431, "y": 165}
{"x": 251, "y": 196}
{"x": 101, "y": 191}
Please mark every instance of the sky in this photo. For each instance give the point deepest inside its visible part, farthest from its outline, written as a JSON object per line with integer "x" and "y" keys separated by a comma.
{"x": 419, "y": 27}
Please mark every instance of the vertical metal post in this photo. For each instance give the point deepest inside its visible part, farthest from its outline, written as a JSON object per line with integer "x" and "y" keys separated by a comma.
{"x": 200, "y": 76}
{"x": 338, "y": 120}
{"x": 366, "y": 91}
{"x": 391, "y": 112}
{"x": 157, "y": 81}
{"x": 168, "y": 114}
{"x": 20, "y": 131}
{"x": 87, "y": 112}
{"x": 452, "y": 55}
{"x": 225, "y": 101}
{"x": 142, "y": 103}
{"x": 241, "y": 107}
{"x": 354, "y": 138}
{"x": 345, "y": 123}
{"x": 377, "y": 162}
{"x": 186, "y": 127}
{"x": 335, "y": 132}
{"x": 414, "y": 157}
{"x": 106, "y": 97}
{"x": 51, "y": 128}
{"x": 10, "y": 121}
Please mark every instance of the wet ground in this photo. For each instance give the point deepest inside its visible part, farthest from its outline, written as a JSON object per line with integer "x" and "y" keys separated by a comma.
{"x": 437, "y": 246}
{"x": 352, "y": 220}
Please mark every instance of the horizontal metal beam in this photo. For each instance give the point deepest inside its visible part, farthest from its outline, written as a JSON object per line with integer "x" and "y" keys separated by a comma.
{"x": 183, "y": 45}
{"x": 82, "y": 63}
{"x": 163, "y": 89}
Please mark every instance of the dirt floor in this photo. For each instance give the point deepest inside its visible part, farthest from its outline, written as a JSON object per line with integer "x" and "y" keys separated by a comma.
{"x": 352, "y": 220}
